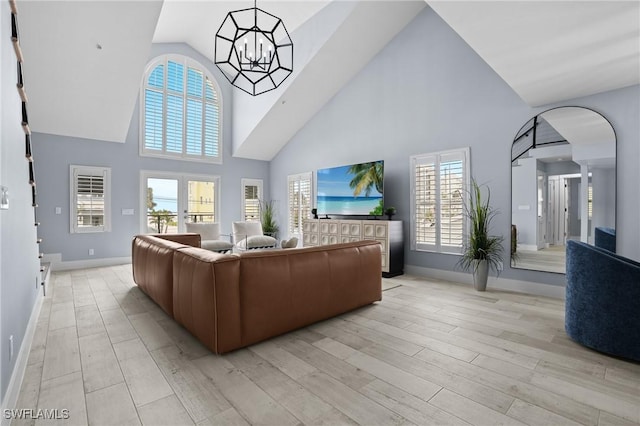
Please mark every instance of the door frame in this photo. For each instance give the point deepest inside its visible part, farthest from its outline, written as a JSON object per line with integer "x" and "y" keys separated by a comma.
{"x": 182, "y": 179}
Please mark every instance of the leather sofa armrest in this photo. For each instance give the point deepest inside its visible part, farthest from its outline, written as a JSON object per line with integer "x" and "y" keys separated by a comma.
{"x": 206, "y": 297}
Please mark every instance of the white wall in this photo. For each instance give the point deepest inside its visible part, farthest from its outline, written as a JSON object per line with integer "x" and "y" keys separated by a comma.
{"x": 19, "y": 264}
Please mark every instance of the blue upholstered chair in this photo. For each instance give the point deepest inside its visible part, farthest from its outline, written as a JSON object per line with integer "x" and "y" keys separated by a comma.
{"x": 606, "y": 238}
{"x": 603, "y": 300}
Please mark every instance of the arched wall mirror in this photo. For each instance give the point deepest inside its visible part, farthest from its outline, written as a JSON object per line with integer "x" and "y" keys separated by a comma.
{"x": 563, "y": 185}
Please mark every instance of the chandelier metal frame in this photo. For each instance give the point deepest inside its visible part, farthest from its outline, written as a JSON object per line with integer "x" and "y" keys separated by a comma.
{"x": 253, "y": 50}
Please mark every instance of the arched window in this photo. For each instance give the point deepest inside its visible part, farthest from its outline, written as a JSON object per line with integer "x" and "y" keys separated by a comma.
{"x": 181, "y": 111}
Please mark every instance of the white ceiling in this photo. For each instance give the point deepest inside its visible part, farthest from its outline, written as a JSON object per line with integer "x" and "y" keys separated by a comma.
{"x": 315, "y": 83}
{"x": 546, "y": 51}
{"x": 74, "y": 88}
{"x": 581, "y": 126}
{"x": 550, "y": 51}
{"x": 592, "y": 139}
{"x": 196, "y": 22}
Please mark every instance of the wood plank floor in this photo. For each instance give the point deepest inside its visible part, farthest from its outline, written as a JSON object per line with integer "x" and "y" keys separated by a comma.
{"x": 429, "y": 353}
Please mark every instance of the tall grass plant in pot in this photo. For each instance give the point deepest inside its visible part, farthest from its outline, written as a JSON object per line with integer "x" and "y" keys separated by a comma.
{"x": 481, "y": 252}
{"x": 268, "y": 218}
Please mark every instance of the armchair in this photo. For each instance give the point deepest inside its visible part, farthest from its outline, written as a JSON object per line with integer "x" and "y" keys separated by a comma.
{"x": 249, "y": 235}
{"x": 603, "y": 300}
{"x": 210, "y": 234}
{"x": 605, "y": 238}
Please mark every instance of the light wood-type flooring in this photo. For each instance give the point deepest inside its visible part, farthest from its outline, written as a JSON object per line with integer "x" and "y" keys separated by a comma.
{"x": 552, "y": 259}
{"x": 429, "y": 353}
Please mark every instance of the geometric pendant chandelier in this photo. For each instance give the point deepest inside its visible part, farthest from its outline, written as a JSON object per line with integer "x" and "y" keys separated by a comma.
{"x": 253, "y": 50}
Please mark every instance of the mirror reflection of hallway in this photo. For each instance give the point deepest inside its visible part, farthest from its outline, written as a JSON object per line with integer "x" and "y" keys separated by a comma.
{"x": 563, "y": 185}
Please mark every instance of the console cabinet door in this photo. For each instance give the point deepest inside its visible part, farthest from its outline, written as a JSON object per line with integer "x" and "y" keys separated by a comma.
{"x": 378, "y": 232}
{"x": 310, "y": 232}
{"x": 329, "y": 232}
{"x": 350, "y": 230}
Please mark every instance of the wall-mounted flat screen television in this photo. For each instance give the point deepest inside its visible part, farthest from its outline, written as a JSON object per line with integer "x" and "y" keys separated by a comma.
{"x": 356, "y": 189}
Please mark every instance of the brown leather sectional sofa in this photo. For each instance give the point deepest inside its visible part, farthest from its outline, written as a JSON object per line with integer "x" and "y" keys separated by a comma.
{"x": 229, "y": 301}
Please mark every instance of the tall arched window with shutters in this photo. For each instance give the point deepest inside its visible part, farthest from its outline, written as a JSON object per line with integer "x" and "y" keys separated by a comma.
{"x": 181, "y": 111}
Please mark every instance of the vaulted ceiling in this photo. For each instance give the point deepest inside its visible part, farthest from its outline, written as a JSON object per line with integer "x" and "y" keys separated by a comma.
{"x": 85, "y": 59}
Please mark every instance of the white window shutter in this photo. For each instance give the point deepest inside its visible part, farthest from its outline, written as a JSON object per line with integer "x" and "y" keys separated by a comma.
{"x": 90, "y": 199}
{"x": 181, "y": 111}
{"x": 299, "y": 201}
{"x": 439, "y": 192}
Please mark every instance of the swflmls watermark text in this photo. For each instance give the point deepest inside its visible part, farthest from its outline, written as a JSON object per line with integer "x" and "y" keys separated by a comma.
{"x": 33, "y": 414}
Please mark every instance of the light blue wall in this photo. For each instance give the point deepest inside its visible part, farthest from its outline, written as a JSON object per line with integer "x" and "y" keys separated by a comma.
{"x": 622, "y": 108}
{"x": 524, "y": 205}
{"x": 19, "y": 264}
{"x": 429, "y": 91}
{"x": 308, "y": 39}
{"x": 60, "y": 152}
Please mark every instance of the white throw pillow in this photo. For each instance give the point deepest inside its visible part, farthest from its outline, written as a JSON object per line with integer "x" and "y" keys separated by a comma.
{"x": 290, "y": 243}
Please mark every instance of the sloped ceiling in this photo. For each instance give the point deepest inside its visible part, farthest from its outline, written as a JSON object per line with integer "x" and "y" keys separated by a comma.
{"x": 196, "y": 22}
{"x": 341, "y": 56}
{"x": 546, "y": 51}
{"x": 83, "y": 64}
{"x": 550, "y": 51}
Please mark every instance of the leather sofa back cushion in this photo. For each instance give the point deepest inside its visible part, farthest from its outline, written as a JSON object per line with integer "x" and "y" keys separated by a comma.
{"x": 206, "y": 297}
{"x": 295, "y": 288}
{"x": 152, "y": 260}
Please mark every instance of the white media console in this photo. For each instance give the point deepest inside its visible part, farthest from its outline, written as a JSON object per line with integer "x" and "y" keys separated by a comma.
{"x": 318, "y": 232}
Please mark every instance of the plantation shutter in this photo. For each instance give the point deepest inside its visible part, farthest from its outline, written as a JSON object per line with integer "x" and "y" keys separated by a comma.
{"x": 299, "y": 200}
{"x": 439, "y": 191}
{"x": 451, "y": 193}
{"x": 90, "y": 200}
{"x": 251, "y": 203}
{"x": 181, "y": 112}
{"x": 426, "y": 201}
{"x": 153, "y": 106}
{"x": 211, "y": 121}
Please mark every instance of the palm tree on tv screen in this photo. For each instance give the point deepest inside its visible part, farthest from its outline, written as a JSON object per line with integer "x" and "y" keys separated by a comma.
{"x": 365, "y": 177}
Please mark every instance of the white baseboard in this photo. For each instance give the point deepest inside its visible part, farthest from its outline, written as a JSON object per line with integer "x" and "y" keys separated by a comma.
{"x": 15, "y": 383}
{"x": 58, "y": 265}
{"x": 528, "y": 287}
{"x": 528, "y": 247}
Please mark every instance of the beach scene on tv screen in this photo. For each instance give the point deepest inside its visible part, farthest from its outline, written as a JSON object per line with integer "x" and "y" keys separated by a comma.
{"x": 351, "y": 190}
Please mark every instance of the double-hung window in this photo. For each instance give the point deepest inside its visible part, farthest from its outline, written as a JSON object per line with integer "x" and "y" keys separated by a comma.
{"x": 299, "y": 201}
{"x": 90, "y": 199}
{"x": 181, "y": 111}
{"x": 439, "y": 192}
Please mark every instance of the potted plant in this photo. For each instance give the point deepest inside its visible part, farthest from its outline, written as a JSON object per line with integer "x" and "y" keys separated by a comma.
{"x": 268, "y": 218}
{"x": 481, "y": 251}
{"x": 390, "y": 211}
